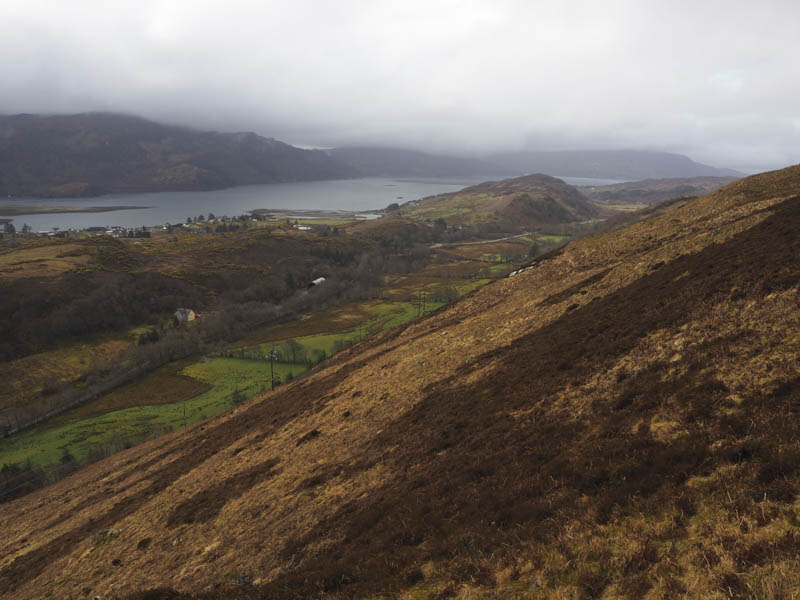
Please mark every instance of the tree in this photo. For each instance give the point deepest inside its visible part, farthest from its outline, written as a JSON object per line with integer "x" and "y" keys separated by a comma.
{"x": 66, "y": 456}
{"x": 295, "y": 351}
{"x": 238, "y": 396}
{"x": 9, "y": 228}
{"x": 272, "y": 356}
{"x": 419, "y": 301}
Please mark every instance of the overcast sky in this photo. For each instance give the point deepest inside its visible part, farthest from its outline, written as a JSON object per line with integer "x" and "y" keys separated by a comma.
{"x": 717, "y": 80}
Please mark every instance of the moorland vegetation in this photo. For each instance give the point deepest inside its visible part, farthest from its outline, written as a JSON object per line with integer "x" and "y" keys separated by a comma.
{"x": 617, "y": 419}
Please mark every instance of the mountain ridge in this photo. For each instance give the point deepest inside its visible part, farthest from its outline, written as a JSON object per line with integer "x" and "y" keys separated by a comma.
{"x": 378, "y": 161}
{"x": 92, "y": 154}
{"x": 382, "y": 161}
{"x": 607, "y": 164}
{"x": 653, "y": 191}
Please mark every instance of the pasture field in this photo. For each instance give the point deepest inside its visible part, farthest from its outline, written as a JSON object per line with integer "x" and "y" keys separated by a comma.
{"x": 221, "y": 379}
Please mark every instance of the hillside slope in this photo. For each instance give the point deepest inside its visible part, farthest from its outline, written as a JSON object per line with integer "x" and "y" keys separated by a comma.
{"x": 608, "y": 164}
{"x": 97, "y": 153}
{"x": 619, "y": 420}
{"x": 522, "y": 202}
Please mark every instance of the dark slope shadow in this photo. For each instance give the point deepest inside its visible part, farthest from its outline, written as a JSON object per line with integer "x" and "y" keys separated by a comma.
{"x": 468, "y": 472}
{"x": 206, "y": 504}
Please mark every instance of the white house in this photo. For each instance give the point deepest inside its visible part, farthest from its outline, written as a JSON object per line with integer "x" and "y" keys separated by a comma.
{"x": 182, "y": 315}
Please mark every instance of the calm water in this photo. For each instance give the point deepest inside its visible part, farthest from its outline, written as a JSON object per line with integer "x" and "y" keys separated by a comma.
{"x": 174, "y": 207}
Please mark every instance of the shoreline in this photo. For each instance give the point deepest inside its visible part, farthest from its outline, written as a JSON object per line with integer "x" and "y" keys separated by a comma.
{"x": 20, "y": 211}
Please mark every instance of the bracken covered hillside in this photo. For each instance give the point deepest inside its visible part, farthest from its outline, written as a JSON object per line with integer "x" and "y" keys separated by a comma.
{"x": 618, "y": 421}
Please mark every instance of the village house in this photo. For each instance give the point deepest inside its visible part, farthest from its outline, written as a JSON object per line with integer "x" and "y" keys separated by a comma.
{"x": 184, "y": 315}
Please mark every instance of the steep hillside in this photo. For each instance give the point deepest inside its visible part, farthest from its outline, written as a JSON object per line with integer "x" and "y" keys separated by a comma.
{"x": 97, "y": 153}
{"x": 619, "y": 420}
{"x": 522, "y": 202}
{"x": 608, "y": 164}
{"x": 398, "y": 162}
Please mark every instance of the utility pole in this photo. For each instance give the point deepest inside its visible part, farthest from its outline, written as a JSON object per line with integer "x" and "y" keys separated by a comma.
{"x": 272, "y": 368}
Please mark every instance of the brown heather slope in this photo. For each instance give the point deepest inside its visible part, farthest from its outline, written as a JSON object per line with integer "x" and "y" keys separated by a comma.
{"x": 619, "y": 421}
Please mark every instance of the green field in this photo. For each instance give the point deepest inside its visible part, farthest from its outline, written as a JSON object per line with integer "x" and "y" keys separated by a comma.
{"x": 553, "y": 238}
{"x": 229, "y": 376}
{"x": 45, "y": 446}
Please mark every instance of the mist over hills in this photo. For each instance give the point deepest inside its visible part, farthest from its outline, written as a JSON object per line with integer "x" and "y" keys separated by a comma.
{"x": 91, "y": 154}
{"x": 602, "y": 164}
{"x": 608, "y": 164}
{"x": 96, "y": 153}
{"x": 618, "y": 419}
{"x": 399, "y": 162}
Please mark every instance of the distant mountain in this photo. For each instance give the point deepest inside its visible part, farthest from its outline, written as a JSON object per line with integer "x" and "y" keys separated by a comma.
{"x": 97, "y": 153}
{"x": 607, "y": 164}
{"x": 522, "y": 202}
{"x": 652, "y": 191}
{"x": 396, "y": 162}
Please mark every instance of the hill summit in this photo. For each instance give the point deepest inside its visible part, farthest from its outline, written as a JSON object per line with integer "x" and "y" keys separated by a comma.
{"x": 620, "y": 419}
{"x": 522, "y": 202}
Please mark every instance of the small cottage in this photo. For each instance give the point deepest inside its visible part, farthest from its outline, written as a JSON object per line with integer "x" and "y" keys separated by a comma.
{"x": 183, "y": 315}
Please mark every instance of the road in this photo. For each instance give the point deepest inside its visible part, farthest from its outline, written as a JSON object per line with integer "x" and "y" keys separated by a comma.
{"x": 510, "y": 237}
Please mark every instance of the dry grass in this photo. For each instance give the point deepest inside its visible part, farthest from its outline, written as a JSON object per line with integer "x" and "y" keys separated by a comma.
{"x": 29, "y": 377}
{"x": 46, "y": 261}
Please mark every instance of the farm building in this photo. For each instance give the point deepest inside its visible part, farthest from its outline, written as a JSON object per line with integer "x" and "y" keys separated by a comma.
{"x": 182, "y": 315}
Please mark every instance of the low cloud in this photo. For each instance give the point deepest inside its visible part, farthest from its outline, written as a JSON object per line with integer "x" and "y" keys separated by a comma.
{"x": 716, "y": 80}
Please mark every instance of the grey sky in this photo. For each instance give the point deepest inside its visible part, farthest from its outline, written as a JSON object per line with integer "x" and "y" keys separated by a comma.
{"x": 717, "y": 80}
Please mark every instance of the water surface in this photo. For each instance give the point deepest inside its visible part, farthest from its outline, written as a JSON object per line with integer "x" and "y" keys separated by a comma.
{"x": 174, "y": 207}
